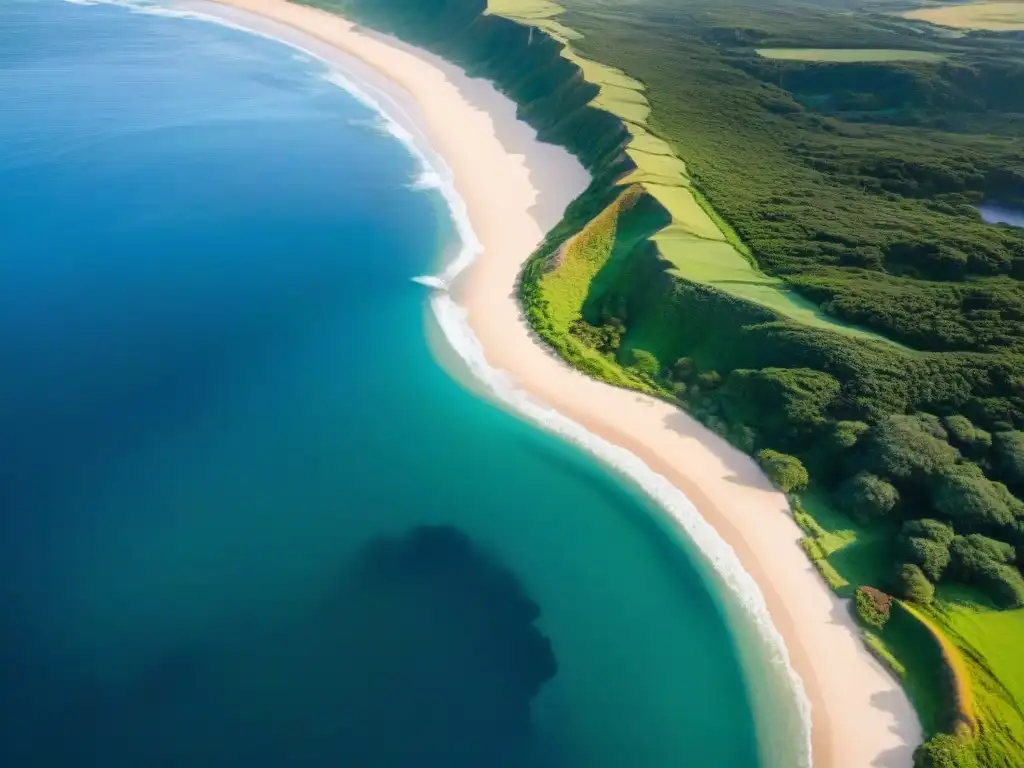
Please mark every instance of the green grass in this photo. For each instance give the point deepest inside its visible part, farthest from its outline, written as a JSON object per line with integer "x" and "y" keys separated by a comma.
{"x": 848, "y": 55}
{"x": 719, "y": 264}
{"x": 884, "y": 654}
{"x": 996, "y": 637}
{"x": 920, "y": 647}
{"x": 989, "y": 642}
{"x": 860, "y": 554}
{"x": 584, "y": 256}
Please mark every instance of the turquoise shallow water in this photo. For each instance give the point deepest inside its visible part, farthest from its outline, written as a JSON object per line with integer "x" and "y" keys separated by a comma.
{"x": 218, "y": 391}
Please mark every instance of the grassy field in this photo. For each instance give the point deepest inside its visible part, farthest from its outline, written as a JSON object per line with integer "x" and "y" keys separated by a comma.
{"x": 990, "y": 642}
{"x": 1004, "y": 16}
{"x": 847, "y": 55}
{"x": 994, "y": 636}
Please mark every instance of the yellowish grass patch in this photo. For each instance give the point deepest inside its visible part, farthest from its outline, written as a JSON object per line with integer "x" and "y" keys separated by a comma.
{"x": 1006, "y": 16}
{"x": 848, "y": 55}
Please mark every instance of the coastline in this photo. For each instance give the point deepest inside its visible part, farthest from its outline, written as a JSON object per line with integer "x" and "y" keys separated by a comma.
{"x": 860, "y": 716}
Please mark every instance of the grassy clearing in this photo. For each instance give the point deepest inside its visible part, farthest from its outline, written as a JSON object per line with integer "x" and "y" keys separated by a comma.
{"x": 995, "y": 636}
{"x": 1006, "y": 16}
{"x": 856, "y": 553}
{"x": 990, "y": 642}
{"x": 536, "y": 13}
{"x": 719, "y": 264}
{"x": 848, "y": 55}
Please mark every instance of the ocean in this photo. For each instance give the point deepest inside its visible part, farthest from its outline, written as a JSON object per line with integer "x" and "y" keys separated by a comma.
{"x": 251, "y": 513}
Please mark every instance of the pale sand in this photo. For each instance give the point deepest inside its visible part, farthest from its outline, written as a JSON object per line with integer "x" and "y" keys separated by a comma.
{"x": 516, "y": 189}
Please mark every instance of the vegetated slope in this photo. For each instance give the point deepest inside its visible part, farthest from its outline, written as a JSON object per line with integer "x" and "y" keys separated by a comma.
{"x": 852, "y": 182}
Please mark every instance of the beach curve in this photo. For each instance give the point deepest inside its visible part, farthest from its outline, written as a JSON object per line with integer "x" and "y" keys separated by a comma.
{"x": 860, "y": 715}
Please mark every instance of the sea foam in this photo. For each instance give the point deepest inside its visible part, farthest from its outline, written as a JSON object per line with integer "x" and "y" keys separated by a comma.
{"x": 453, "y": 321}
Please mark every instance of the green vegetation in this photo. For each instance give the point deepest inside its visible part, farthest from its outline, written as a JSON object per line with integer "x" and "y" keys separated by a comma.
{"x": 873, "y": 607}
{"x": 847, "y": 55}
{"x": 790, "y": 250}
{"x": 786, "y": 472}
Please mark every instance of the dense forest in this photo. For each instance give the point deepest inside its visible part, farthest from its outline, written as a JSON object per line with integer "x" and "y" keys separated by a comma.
{"x": 855, "y": 186}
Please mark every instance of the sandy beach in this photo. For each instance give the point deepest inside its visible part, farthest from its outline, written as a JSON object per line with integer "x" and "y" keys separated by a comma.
{"x": 516, "y": 189}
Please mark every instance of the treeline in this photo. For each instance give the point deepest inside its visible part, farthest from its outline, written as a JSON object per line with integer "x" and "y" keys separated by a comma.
{"x": 908, "y": 92}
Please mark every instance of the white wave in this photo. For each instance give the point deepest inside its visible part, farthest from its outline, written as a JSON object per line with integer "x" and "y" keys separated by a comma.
{"x": 426, "y": 180}
{"x": 375, "y": 123}
{"x": 454, "y": 323}
{"x": 431, "y": 282}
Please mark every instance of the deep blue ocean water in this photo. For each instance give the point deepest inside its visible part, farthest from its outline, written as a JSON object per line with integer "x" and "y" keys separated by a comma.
{"x": 216, "y": 395}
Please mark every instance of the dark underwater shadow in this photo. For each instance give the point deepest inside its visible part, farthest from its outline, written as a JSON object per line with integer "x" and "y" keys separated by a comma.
{"x": 423, "y": 654}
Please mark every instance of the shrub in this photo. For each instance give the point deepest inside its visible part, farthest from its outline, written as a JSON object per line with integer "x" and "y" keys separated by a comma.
{"x": 743, "y": 437}
{"x": 1003, "y": 583}
{"x": 913, "y": 585}
{"x": 644, "y": 363}
{"x": 683, "y": 369}
{"x": 944, "y": 750}
{"x": 709, "y": 380}
{"x": 786, "y": 472}
{"x": 866, "y": 496}
{"x": 1008, "y": 452}
{"x": 929, "y": 529}
{"x": 931, "y": 424}
{"x": 962, "y": 492}
{"x": 845, "y": 434}
{"x": 986, "y": 562}
{"x": 972, "y": 440}
{"x": 873, "y": 606}
{"x": 932, "y": 556}
{"x": 973, "y": 551}
{"x": 787, "y": 406}
{"x": 906, "y": 447}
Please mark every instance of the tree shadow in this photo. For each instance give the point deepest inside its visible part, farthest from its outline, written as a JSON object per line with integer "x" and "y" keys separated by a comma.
{"x": 742, "y": 469}
{"x": 904, "y": 725}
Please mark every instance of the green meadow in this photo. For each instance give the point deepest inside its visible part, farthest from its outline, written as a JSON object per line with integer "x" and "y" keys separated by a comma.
{"x": 848, "y": 55}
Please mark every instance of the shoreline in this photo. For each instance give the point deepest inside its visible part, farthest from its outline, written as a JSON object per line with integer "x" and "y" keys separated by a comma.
{"x": 859, "y": 714}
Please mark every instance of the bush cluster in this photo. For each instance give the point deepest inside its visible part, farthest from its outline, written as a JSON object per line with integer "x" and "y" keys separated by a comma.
{"x": 873, "y": 607}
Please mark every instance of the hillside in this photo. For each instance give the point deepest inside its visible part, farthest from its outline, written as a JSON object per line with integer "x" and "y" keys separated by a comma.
{"x": 782, "y": 236}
